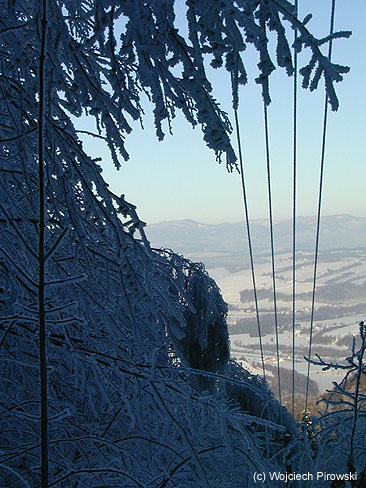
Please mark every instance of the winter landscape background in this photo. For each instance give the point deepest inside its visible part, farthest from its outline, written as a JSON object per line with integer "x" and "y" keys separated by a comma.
{"x": 115, "y": 365}
{"x": 340, "y": 292}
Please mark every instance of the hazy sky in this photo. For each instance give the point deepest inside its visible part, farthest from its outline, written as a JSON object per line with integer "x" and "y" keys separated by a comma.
{"x": 180, "y": 179}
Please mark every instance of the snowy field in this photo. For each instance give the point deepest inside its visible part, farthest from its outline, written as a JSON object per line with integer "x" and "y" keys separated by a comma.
{"x": 338, "y": 271}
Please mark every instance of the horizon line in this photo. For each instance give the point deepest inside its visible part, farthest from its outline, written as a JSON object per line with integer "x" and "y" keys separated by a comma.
{"x": 253, "y": 220}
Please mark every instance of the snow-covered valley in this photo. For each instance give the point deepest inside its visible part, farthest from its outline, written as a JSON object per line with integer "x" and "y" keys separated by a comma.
{"x": 340, "y": 299}
{"x": 336, "y": 317}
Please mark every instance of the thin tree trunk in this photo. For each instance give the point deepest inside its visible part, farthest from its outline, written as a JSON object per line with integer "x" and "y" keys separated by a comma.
{"x": 41, "y": 255}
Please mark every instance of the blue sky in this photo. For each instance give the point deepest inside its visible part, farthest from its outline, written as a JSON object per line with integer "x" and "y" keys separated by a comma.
{"x": 180, "y": 179}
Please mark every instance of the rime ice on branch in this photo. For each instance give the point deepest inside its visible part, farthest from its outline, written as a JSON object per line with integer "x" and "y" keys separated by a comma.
{"x": 123, "y": 408}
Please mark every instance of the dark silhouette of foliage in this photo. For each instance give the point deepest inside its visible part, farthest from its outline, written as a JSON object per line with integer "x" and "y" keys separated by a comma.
{"x": 92, "y": 392}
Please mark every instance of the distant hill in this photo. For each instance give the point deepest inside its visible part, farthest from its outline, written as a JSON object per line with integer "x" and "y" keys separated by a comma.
{"x": 214, "y": 243}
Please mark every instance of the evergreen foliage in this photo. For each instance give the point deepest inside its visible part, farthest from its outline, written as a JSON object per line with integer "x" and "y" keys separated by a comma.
{"x": 97, "y": 329}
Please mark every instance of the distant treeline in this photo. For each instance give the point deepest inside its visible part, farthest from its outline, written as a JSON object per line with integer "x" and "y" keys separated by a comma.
{"x": 329, "y": 293}
{"x": 271, "y": 349}
{"x": 267, "y": 325}
{"x": 267, "y": 321}
{"x": 286, "y": 381}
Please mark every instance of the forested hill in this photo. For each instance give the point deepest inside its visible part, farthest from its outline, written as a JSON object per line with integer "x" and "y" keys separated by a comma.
{"x": 189, "y": 236}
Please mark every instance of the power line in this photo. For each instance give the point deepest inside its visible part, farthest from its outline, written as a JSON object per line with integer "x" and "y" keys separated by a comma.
{"x": 266, "y": 131}
{"x": 294, "y": 194}
{"x": 322, "y": 159}
{"x": 246, "y": 211}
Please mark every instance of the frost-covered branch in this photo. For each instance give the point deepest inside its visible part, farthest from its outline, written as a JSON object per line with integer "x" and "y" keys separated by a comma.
{"x": 345, "y": 411}
{"x": 137, "y": 353}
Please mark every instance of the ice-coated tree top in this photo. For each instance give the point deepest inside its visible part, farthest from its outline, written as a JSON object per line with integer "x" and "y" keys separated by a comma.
{"x": 103, "y": 55}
